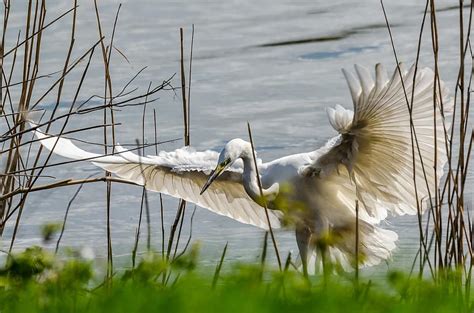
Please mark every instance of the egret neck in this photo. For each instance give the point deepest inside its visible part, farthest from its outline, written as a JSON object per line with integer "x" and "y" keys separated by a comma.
{"x": 251, "y": 181}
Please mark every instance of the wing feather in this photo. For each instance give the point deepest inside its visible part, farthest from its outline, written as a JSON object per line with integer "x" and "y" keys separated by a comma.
{"x": 372, "y": 159}
{"x": 180, "y": 174}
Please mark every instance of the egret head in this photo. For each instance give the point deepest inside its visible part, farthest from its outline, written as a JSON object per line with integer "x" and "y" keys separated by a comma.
{"x": 233, "y": 150}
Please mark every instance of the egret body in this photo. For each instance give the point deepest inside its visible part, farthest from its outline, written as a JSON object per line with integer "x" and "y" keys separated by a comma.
{"x": 372, "y": 163}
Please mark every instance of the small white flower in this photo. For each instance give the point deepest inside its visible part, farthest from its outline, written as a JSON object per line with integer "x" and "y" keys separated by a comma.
{"x": 87, "y": 253}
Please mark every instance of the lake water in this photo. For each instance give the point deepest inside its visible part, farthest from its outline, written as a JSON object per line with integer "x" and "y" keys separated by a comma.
{"x": 273, "y": 63}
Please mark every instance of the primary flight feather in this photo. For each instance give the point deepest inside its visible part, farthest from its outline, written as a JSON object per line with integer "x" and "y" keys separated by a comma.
{"x": 375, "y": 162}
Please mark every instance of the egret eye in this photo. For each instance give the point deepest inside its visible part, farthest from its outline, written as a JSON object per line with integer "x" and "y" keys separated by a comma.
{"x": 225, "y": 162}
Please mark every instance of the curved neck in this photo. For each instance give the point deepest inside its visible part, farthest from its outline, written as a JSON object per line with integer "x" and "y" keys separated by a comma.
{"x": 250, "y": 178}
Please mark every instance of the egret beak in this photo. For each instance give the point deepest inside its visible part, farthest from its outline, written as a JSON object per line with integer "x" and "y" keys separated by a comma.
{"x": 214, "y": 174}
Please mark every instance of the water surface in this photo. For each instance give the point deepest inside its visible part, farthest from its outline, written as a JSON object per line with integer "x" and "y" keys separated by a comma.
{"x": 273, "y": 63}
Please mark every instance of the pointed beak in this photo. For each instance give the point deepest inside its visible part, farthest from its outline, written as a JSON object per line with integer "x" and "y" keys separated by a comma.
{"x": 214, "y": 174}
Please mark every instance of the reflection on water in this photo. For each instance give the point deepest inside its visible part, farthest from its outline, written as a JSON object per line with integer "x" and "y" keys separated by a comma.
{"x": 273, "y": 63}
{"x": 337, "y": 53}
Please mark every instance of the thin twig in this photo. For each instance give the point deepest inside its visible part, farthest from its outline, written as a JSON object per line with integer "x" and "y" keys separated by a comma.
{"x": 270, "y": 229}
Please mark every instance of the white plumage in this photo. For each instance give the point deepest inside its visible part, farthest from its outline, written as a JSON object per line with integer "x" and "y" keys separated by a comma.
{"x": 180, "y": 174}
{"x": 371, "y": 162}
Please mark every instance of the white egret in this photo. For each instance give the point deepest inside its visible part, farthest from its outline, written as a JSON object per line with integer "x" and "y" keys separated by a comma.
{"x": 370, "y": 161}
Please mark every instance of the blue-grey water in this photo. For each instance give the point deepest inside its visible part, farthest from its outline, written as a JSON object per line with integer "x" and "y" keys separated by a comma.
{"x": 275, "y": 64}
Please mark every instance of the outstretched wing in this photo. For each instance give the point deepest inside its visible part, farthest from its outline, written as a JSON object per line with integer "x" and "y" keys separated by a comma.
{"x": 373, "y": 159}
{"x": 180, "y": 174}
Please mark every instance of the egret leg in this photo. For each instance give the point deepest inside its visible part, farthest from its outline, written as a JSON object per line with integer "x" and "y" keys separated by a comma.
{"x": 303, "y": 239}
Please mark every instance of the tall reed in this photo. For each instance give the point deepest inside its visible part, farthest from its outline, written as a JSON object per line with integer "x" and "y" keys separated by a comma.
{"x": 446, "y": 232}
{"x": 23, "y": 166}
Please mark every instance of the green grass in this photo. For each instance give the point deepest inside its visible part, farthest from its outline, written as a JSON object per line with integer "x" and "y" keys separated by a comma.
{"x": 35, "y": 281}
